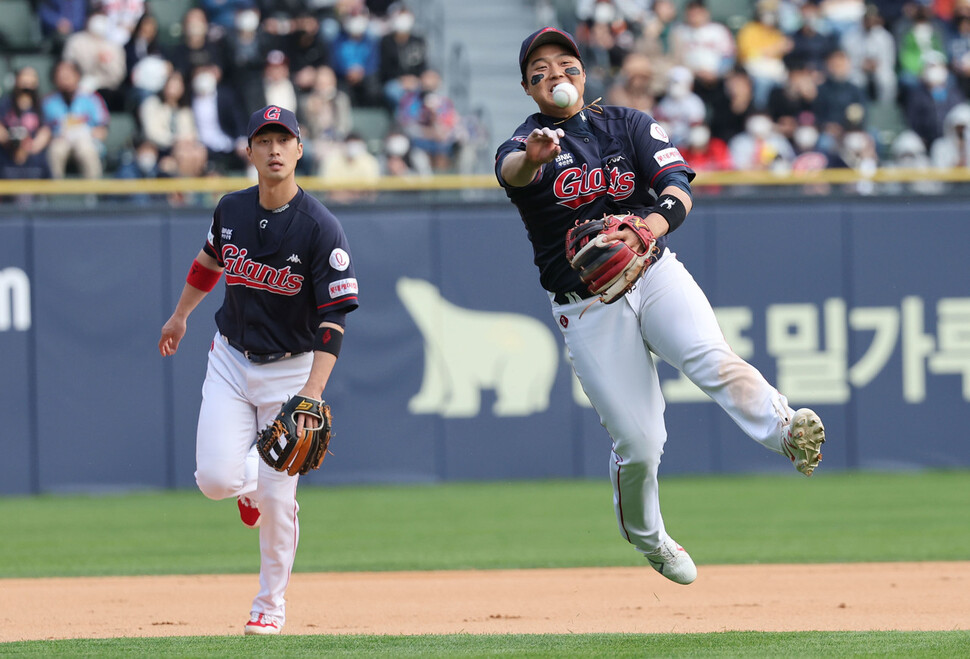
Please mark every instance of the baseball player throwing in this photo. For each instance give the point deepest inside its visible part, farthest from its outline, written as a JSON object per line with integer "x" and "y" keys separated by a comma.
{"x": 572, "y": 162}
{"x": 289, "y": 286}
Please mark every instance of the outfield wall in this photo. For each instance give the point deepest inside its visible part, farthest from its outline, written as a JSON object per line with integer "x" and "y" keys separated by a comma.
{"x": 860, "y": 309}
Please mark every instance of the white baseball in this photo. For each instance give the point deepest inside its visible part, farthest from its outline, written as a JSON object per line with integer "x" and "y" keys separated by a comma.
{"x": 565, "y": 94}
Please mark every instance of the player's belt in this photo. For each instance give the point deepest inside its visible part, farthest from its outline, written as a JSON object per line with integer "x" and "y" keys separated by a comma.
{"x": 259, "y": 357}
{"x": 571, "y": 297}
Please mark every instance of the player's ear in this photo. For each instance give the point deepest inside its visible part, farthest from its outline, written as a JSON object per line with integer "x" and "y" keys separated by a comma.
{"x": 299, "y": 149}
{"x": 526, "y": 88}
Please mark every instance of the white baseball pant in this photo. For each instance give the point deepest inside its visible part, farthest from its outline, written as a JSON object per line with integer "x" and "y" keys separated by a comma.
{"x": 610, "y": 350}
{"x": 240, "y": 398}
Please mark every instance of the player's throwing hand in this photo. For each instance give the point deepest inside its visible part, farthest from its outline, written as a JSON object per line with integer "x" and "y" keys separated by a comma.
{"x": 542, "y": 145}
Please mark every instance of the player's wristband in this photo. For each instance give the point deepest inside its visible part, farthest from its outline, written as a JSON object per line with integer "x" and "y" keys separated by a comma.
{"x": 672, "y": 209}
{"x": 328, "y": 339}
{"x": 202, "y": 277}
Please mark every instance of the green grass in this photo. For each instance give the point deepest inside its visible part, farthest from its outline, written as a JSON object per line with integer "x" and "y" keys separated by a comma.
{"x": 770, "y": 519}
{"x": 758, "y": 519}
{"x": 724, "y": 644}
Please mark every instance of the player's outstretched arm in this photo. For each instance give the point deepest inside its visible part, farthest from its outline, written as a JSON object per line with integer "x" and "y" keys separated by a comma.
{"x": 541, "y": 146}
{"x": 174, "y": 328}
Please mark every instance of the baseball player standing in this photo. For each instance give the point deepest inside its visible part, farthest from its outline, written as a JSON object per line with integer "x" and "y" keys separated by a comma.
{"x": 289, "y": 285}
{"x": 573, "y": 162}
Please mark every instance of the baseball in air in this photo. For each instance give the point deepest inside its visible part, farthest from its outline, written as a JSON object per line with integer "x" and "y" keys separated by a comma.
{"x": 565, "y": 94}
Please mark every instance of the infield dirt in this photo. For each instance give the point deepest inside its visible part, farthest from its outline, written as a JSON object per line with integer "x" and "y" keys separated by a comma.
{"x": 870, "y": 596}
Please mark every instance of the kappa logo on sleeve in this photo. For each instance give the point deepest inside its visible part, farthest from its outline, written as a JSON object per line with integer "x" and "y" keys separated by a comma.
{"x": 339, "y": 259}
{"x": 343, "y": 287}
{"x": 667, "y": 156}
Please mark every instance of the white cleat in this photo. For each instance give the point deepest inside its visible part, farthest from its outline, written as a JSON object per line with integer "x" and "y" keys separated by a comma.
{"x": 673, "y": 561}
{"x": 261, "y": 624}
{"x": 803, "y": 441}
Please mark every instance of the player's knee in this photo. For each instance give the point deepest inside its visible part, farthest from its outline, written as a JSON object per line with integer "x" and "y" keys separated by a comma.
{"x": 216, "y": 485}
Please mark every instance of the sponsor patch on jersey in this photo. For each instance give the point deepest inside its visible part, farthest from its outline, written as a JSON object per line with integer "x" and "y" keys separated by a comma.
{"x": 343, "y": 287}
{"x": 339, "y": 260}
{"x": 564, "y": 159}
{"x": 667, "y": 156}
{"x": 226, "y": 233}
{"x": 657, "y": 132}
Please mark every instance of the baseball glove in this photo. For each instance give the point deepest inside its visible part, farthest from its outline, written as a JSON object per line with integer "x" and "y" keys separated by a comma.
{"x": 281, "y": 449}
{"x": 610, "y": 268}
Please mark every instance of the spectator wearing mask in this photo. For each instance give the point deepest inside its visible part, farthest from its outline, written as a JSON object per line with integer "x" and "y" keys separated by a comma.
{"x": 731, "y": 120}
{"x": 762, "y": 47}
{"x": 705, "y": 153}
{"x": 952, "y": 148}
{"x": 760, "y": 147}
{"x": 355, "y": 58}
{"x": 404, "y": 57}
{"x": 430, "y": 120}
{"x": 841, "y": 104}
{"x": 922, "y": 41}
{"x": 872, "y": 51}
{"x": 908, "y": 151}
{"x": 122, "y": 17}
{"x": 244, "y": 52}
{"x": 929, "y": 102}
{"x": 278, "y": 88}
{"x": 325, "y": 115}
{"x": 958, "y": 49}
{"x": 398, "y": 159}
{"x": 140, "y": 163}
{"x": 222, "y": 14}
{"x": 220, "y": 120}
{"x": 680, "y": 107}
{"x": 100, "y": 60}
{"x": 794, "y": 104}
{"x": 23, "y": 135}
{"x": 78, "y": 122}
{"x": 167, "y": 116}
{"x": 700, "y": 38}
{"x": 351, "y": 163}
{"x": 196, "y": 49}
{"x": 811, "y": 42}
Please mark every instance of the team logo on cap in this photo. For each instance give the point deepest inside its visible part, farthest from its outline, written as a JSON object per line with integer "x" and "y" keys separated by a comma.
{"x": 272, "y": 113}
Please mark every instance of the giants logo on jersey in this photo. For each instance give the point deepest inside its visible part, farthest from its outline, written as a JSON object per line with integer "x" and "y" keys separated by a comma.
{"x": 578, "y": 186}
{"x": 241, "y": 270}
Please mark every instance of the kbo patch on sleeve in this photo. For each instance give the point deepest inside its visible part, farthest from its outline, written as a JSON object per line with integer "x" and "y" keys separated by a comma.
{"x": 657, "y": 132}
{"x": 339, "y": 259}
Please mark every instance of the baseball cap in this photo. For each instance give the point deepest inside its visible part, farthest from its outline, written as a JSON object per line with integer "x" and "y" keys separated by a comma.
{"x": 541, "y": 38}
{"x": 273, "y": 114}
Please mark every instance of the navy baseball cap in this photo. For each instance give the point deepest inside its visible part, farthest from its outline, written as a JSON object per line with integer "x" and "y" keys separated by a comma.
{"x": 541, "y": 38}
{"x": 273, "y": 114}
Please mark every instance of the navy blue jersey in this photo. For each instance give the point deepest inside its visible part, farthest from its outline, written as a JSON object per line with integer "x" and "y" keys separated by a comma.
{"x": 616, "y": 161}
{"x": 285, "y": 270}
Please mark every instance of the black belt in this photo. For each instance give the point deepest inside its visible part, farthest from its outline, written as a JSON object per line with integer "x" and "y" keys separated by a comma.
{"x": 260, "y": 357}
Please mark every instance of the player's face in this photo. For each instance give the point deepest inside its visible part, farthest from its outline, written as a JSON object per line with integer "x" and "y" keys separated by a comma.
{"x": 548, "y": 66}
{"x": 274, "y": 154}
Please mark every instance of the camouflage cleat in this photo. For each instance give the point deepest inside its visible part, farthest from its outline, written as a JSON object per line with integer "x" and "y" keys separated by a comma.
{"x": 803, "y": 442}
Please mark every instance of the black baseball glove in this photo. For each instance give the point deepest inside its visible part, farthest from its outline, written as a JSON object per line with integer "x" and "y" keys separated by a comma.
{"x": 610, "y": 269}
{"x": 279, "y": 446}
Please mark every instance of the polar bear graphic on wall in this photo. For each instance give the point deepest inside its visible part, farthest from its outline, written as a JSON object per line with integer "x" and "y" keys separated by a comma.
{"x": 466, "y": 351}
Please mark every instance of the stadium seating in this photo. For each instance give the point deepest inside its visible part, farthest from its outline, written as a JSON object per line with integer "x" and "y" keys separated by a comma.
{"x": 19, "y": 27}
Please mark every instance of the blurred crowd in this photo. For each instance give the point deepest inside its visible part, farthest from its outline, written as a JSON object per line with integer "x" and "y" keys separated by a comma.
{"x": 776, "y": 85}
{"x": 191, "y": 99}
{"x": 789, "y": 85}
